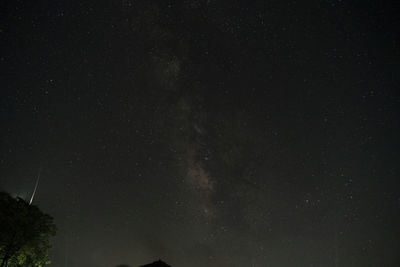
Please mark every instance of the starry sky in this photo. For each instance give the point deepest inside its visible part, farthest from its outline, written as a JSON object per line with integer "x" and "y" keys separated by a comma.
{"x": 206, "y": 132}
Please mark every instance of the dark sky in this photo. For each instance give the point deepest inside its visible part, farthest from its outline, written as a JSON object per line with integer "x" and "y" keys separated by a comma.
{"x": 206, "y": 132}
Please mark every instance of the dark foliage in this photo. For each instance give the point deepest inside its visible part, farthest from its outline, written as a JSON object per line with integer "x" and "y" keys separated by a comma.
{"x": 24, "y": 233}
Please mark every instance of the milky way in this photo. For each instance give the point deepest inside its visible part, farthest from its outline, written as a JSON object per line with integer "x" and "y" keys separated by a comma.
{"x": 205, "y": 133}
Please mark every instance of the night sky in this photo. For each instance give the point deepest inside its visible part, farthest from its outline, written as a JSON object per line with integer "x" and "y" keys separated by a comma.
{"x": 206, "y": 133}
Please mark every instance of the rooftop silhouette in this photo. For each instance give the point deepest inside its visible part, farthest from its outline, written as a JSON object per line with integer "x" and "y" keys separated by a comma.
{"x": 158, "y": 263}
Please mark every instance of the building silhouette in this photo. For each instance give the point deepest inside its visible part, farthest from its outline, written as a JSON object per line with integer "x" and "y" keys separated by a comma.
{"x": 158, "y": 263}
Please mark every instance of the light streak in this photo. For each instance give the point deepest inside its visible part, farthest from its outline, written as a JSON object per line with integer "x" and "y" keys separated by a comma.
{"x": 36, "y": 186}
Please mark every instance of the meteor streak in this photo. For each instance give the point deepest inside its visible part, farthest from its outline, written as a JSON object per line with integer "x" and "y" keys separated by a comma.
{"x": 36, "y": 186}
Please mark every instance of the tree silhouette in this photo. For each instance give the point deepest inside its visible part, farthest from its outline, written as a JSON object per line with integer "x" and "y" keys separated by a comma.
{"x": 24, "y": 233}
